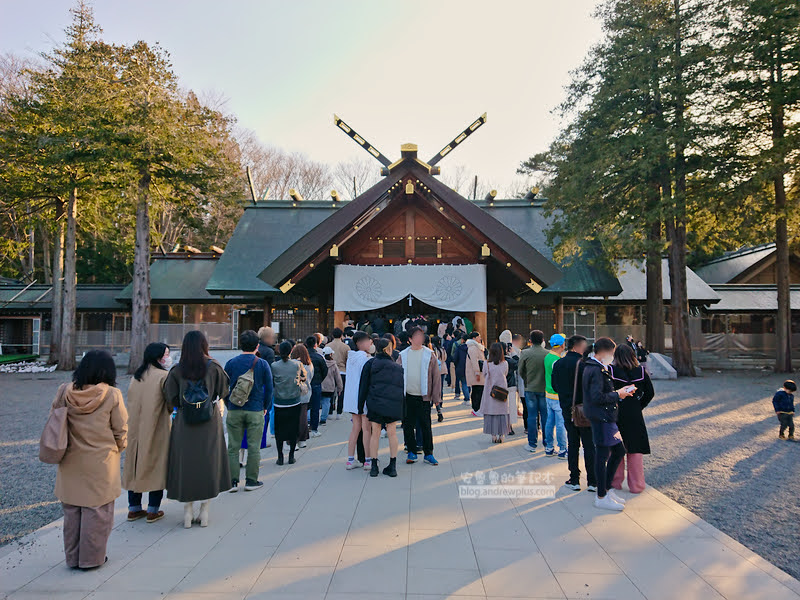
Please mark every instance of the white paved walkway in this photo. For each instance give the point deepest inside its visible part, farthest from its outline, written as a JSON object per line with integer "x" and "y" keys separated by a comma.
{"x": 316, "y": 531}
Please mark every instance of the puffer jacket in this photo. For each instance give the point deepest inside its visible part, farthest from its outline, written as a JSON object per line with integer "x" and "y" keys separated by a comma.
{"x": 381, "y": 388}
{"x": 513, "y": 364}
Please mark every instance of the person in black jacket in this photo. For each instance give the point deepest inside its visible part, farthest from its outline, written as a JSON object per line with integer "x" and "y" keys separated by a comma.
{"x": 625, "y": 371}
{"x": 381, "y": 391}
{"x": 320, "y": 373}
{"x": 565, "y": 384}
{"x": 600, "y": 405}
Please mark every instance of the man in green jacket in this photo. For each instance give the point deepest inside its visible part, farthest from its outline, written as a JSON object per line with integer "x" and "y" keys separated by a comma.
{"x": 531, "y": 370}
{"x": 555, "y": 418}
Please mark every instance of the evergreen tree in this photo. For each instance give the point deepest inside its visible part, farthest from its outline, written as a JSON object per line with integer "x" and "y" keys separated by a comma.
{"x": 761, "y": 53}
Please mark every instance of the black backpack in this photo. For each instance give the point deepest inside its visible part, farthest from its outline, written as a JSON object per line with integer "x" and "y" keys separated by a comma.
{"x": 196, "y": 404}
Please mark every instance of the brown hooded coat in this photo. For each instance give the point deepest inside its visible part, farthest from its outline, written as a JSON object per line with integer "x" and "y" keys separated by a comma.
{"x": 89, "y": 474}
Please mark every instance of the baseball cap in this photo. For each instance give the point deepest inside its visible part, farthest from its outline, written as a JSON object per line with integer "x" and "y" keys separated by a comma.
{"x": 557, "y": 339}
{"x": 327, "y": 351}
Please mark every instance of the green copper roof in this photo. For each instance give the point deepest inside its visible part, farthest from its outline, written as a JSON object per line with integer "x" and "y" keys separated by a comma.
{"x": 178, "y": 280}
{"x": 263, "y": 233}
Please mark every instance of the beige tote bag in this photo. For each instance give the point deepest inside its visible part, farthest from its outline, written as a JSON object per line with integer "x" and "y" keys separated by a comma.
{"x": 53, "y": 443}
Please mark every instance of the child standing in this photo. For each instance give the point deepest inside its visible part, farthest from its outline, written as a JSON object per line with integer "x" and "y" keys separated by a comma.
{"x": 783, "y": 402}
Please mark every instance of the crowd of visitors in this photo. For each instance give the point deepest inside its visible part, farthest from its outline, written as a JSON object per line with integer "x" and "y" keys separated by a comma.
{"x": 187, "y": 427}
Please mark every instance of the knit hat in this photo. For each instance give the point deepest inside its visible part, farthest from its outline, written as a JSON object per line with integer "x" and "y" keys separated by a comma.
{"x": 557, "y": 340}
{"x": 506, "y": 337}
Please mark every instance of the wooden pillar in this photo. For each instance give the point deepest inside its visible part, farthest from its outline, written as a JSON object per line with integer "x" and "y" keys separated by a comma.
{"x": 338, "y": 319}
{"x": 559, "y": 309}
{"x": 502, "y": 313}
{"x": 410, "y": 233}
{"x": 322, "y": 315}
{"x": 268, "y": 311}
{"x": 479, "y": 324}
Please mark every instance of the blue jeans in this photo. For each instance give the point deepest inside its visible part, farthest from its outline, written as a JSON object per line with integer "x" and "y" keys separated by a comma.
{"x": 314, "y": 406}
{"x": 153, "y": 501}
{"x": 462, "y": 387}
{"x": 325, "y": 408}
{"x": 555, "y": 418}
{"x": 272, "y": 420}
{"x": 537, "y": 405}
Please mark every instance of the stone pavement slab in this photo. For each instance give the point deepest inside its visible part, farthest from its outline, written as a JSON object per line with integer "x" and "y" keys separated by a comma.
{"x": 317, "y": 531}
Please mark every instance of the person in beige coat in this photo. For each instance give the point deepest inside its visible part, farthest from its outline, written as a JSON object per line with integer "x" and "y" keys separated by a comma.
{"x": 476, "y": 357}
{"x": 145, "y": 467}
{"x": 87, "y": 480}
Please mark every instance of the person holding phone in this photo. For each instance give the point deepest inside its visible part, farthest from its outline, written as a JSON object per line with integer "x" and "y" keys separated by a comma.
{"x": 601, "y": 406}
{"x": 628, "y": 374}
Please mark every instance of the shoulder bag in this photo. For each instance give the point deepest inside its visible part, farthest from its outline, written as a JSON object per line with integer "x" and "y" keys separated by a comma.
{"x": 240, "y": 394}
{"x": 578, "y": 417}
{"x": 499, "y": 393}
{"x": 55, "y": 436}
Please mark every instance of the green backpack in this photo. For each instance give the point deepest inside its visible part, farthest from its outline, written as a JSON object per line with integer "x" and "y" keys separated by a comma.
{"x": 240, "y": 393}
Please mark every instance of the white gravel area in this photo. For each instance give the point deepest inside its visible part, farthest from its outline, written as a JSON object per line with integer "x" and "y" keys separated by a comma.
{"x": 715, "y": 451}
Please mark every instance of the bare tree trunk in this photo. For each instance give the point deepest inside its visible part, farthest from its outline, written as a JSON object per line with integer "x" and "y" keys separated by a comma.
{"x": 140, "y": 301}
{"x": 654, "y": 309}
{"x": 57, "y": 295}
{"x": 783, "y": 320}
{"x": 676, "y": 223}
{"x": 679, "y": 304}
{"x": 47, "y": 266}
{"x": 66, "y": 359}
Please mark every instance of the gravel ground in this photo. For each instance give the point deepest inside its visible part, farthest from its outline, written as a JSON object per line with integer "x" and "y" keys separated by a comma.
{"x": 715, "y": 451}
{"x": 26, "y": 485}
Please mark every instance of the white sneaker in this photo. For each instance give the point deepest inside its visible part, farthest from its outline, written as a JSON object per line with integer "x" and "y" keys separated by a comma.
{"x": 350, "y": 465}
{"x": 302, "y": 445}
{"x": 616, "y": 497}
{"x": 368, "y": 465}
{"x": 608, "y": 503}
{"x": 530, "y": 448}
{"x": 383, "y": 433}
{"x": 315, "y": 434}
{"x": 338, "y": 417}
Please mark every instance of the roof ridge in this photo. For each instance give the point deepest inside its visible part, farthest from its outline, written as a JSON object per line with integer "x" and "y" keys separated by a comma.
{"x": 744, "y": 251}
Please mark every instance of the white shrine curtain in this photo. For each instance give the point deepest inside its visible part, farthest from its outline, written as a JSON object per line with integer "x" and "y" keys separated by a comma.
{"x": 449, "y": 287}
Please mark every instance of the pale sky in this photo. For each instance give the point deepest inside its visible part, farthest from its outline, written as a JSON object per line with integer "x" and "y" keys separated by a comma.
{"x": 395, "y": 70}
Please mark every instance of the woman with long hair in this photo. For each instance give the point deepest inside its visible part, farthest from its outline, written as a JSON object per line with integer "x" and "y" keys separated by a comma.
{"x": 495, "y": 410}
{"x": 198, "y": 456}
{"x": 300, "y": 353}
{"x": 290, "y": 384}
{"x": 626, "y": 371}
{"x": 381, "y": 393}
{"x": 87, "y": 480}
{"x": 145, "y": 468}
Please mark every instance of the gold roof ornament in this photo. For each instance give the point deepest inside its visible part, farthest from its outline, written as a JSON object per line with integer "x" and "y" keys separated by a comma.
{"x": 534, "y": 286}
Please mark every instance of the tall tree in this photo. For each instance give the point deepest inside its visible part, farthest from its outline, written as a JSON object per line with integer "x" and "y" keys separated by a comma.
{"x": 161, "y": 138}
{"x": 762, "y": 86}
{"x": 54, "y": 152}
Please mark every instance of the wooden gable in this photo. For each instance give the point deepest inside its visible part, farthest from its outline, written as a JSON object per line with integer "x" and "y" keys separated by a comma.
{"x": 410, "y": 229}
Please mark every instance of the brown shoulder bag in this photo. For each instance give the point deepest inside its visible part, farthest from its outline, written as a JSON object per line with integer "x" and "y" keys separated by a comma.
{"x": 578, "y": 417}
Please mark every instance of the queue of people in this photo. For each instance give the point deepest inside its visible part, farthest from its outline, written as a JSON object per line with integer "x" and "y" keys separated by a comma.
{"x": 185, "y": 424}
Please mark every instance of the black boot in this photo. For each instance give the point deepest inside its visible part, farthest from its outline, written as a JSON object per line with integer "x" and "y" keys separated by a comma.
{"x": 391, "y": 470}
{"x": 440, "y": 416}
{"x": 291, "y": 454}
{"x": 374, "y": 471}
{"x": 279, "y": 445}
